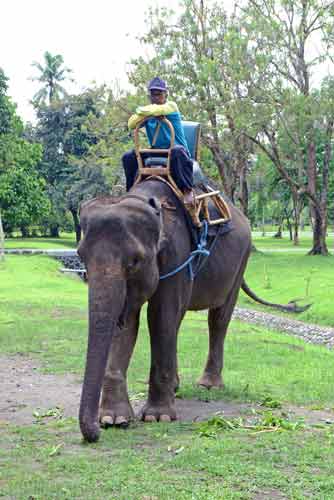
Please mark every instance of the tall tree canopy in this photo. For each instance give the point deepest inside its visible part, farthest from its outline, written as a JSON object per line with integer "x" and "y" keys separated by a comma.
{"x": 22, "y": 191}
{"x": 63, "y": 130}
{"x": 248, "y": 78}
{"x": 52, "y": 73}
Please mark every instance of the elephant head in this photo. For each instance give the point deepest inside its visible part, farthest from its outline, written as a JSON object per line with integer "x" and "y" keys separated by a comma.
{"x": 119, "y": 248}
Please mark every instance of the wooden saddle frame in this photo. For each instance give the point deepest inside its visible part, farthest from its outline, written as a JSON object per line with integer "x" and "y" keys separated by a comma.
{"x": 164, "y": 173}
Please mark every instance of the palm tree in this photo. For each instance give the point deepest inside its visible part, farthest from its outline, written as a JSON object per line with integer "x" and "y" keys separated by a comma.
{"x": 51, "y": 74}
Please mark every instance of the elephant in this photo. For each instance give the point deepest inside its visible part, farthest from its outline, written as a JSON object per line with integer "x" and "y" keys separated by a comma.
{"x": 127, "y": 245}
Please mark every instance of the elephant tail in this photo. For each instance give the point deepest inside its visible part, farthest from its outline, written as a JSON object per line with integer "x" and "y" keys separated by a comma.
{"x": 291, "y": 307}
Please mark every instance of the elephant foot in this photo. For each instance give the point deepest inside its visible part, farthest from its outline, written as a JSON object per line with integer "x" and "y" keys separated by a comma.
{"x": 211, "y": 381}
{"x": 120, "y": 415}
{"x": 158, "y": 413}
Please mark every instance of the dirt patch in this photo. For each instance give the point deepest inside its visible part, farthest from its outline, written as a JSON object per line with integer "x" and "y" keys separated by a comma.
{"x": 269, "y": 493}
{"x": 312, "y": 416}
{"x": 25, "y": 391}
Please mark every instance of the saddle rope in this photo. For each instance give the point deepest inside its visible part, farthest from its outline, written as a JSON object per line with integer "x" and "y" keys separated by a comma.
{"x": 199, "y": 252}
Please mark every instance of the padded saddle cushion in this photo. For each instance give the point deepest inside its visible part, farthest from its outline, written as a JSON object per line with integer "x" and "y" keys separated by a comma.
{"x": 155, "y": 161}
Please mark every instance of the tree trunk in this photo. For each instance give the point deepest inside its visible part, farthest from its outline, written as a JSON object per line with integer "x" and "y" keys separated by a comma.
{"x": 278, "y": 233}
{"x": 24, "y": 231}
{"x": 296, "y": 217}
{"x": 76, "y": 223}
{"x": 263, "y": 223}
{"x": 319, "y": 234}
{"x": 289, "y": 228}
{"x": 319, "y": 209}
{"x": 243, "y": 190}
{"x": 222, "y": 167}
{"x": 2, "y": 241}
{"x": 54, "y": 231}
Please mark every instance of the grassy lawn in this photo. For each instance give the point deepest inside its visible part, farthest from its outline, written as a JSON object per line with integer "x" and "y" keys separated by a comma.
{"x": 305, "y": 243}
{"x": 66, "y": 240}
{"x": 281, "y": 277}
{"x": 44, "y": 315}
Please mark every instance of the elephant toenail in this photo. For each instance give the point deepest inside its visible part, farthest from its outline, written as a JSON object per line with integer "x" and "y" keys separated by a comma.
{"x": 150, "y": 418}
{"x": 165, "y": 418}
{"x": 121, "y": 422}
{"x": 107, "y": 421}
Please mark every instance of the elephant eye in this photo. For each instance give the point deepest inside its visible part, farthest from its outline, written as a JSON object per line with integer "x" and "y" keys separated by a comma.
{"x": 134, "y": 265}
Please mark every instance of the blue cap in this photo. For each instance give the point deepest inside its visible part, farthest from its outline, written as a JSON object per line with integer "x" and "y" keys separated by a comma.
{"x": 157, "y": 84}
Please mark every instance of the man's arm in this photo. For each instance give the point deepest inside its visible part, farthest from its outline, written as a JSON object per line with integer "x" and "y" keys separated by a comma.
{"x": 151, "y": 110}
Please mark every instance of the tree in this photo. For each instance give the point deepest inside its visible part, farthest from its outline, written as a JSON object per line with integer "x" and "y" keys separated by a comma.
{"x": 7, "y": 124}
{"x": 22, "y": 197}
{"x": 51, "y": 72}
{"x": 198, "y": 53}
{"x": 247, "y": 78}
{"x": 281, "y": 103}
{"x": 67, "y": 137}
{"x": 87, "y": 179}
{"x": 106, "y": 138}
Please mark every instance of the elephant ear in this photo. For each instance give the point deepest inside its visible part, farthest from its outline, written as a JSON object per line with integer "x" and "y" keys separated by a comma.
{"x": 155, "y": 204}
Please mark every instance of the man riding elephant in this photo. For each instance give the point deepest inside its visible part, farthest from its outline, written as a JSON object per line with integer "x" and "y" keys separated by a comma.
{"x": 158, "y": 135}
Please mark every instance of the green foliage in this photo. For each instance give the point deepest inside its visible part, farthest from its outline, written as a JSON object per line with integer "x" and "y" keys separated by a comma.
{"x": 22, "y": 192}
{"x": 292, "y": 276}
{"x": 265, "y": 421}
{"x": 6, "y": 109}
{"x": 71, "y": 177}
{"x": 22, "y": 198}
{"x": 112, "y": 138}
{"x": 198, "y": 52}
{"x": 50, "y": 75}
{"x": 270, "y": 402}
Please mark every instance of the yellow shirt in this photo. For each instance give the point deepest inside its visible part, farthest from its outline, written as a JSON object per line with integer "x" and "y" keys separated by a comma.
{"x": 152, "y": 110}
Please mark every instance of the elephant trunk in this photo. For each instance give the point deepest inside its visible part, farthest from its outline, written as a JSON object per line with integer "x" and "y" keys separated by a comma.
{"x": 106, "y": 301}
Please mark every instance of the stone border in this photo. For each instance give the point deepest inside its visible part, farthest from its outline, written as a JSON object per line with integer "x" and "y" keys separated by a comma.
{"x": 308, "y": 332}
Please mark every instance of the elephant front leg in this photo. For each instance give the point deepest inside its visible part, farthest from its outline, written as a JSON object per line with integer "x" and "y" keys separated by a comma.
{"x": 115, "y": 407}
{"x": 163, "y": 325}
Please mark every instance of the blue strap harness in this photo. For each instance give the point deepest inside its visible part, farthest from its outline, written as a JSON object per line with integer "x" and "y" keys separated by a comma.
{"x": 201, "y": 254}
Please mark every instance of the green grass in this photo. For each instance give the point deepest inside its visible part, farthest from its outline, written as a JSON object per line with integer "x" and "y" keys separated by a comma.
{"x": 66, "y": 240}
{"x": 305, "y": 242}
{"x": 281, "y": 277}
{"x": 142, "y": 463}
{"x": 44, "y": 314}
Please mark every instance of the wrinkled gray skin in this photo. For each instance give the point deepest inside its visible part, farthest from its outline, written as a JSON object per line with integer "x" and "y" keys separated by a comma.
{"x": 126, "y": 246}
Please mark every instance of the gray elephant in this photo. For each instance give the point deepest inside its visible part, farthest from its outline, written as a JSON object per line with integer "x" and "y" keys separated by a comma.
{"x": 126, "y": 247}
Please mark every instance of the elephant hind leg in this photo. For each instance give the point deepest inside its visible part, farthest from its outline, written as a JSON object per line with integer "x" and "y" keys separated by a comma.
{"x": 219, "y": 319}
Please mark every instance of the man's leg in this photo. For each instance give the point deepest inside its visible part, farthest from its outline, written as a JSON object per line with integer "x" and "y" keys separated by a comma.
{"x": 182, "y": 173}
{"x": 130, "y": 166}
{"x": 182, "y": 169}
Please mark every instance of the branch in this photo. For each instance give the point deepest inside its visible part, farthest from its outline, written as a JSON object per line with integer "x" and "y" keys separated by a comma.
{"x": 274, "y": 157}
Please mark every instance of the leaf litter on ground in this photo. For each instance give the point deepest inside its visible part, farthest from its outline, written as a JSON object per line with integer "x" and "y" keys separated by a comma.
{"x": 266, "y": 421}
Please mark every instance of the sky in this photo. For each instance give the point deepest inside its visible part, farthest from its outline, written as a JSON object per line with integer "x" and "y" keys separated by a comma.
{"x": 96, "y": 38}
